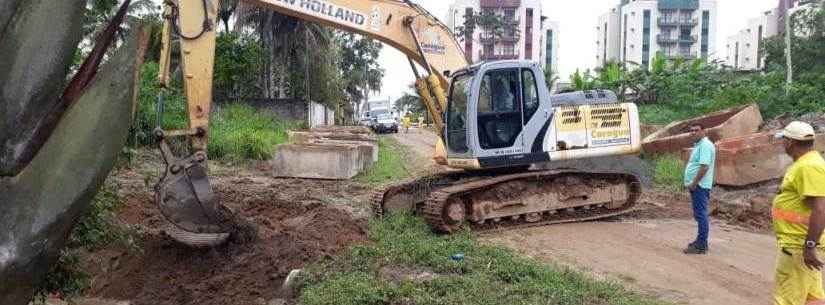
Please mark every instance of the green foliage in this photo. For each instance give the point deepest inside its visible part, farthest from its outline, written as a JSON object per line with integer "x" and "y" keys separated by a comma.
{"x": 391, "y": 165}
{"x": 493, "y": 25}
{"x": 550, "y": 78}
{"x": 359, "y": 65}
{"x": 487, "y": 275}
{"x": 239, "y": 131}
{"x": 238, "y": 62}
{"x": 95, "y": 229}
{"x": 668, "y": 172}
{"x": 174, "y": 113}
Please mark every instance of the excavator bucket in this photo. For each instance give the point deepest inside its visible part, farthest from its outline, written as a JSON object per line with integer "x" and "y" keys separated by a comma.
{"x": 185, "y": 198}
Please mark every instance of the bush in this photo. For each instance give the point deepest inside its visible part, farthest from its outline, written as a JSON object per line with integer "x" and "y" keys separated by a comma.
{"x": 175, "y": 114}
{"x": 94, "y": 230}
{"x": 240, "y": 131}
{"x": 669, "y": 172}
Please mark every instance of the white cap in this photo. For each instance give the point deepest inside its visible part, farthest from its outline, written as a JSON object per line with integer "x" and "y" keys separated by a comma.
{"x": 800, "y": 131}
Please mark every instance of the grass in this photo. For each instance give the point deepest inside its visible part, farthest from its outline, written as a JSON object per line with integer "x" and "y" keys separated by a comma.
{"x": 487, "y": 275}
{"x": 668, "y": 172}
{"x": 242, "y": 132}
{"x": 391, "y": 165}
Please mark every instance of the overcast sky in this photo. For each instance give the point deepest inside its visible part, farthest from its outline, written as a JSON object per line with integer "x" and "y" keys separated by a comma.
{"x": 577, "y": 22}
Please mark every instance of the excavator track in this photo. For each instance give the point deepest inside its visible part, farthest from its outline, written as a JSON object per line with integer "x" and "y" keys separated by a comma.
{"x": 494, "y": 202}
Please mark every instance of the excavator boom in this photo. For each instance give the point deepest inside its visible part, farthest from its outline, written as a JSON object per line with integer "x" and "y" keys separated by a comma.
{"x": 184, "y": 194}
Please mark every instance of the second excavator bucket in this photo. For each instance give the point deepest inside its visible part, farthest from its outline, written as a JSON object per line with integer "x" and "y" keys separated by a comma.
{"x": 185, "y": 198}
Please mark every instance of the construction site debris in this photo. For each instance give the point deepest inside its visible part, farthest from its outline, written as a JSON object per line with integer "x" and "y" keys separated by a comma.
{"x": 751, "y": 159}
{"x": 334, "y": 152}
{"x": 725, "y": 124}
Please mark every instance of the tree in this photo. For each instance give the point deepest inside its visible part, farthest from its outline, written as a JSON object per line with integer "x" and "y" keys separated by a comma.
{"x": 550, "y": 78}
{"x": 225, "y": 12}
{"x": 494, "y": 26}
{"x": 359, "y": 66}
{"x": 302, "y": 56}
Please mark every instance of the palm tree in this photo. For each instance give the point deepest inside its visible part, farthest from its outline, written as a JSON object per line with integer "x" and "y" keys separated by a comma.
{"x": 294, "y": 45}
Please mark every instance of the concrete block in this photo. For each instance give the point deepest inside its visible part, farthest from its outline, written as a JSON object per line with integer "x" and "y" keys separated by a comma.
{"x": 317, "y": 161}
{"x": 752, "y": 159}
{"x": 367, "y": 151}
{"x": 725, "y": 124}
{"x": 308, "y": 136}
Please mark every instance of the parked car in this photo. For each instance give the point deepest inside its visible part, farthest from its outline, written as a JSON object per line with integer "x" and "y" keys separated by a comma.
{"x": 385, "y": 123}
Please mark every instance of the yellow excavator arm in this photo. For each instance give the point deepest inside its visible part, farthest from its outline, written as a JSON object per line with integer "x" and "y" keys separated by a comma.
{"x": 184, "y": 194}
{"x": 403, "y": 25}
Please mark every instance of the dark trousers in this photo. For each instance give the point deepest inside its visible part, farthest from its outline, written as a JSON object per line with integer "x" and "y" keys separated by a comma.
{"x": 700, "y": 198}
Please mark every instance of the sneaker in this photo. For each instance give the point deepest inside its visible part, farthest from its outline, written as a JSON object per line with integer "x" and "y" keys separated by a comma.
{"x": 692, "y": 249}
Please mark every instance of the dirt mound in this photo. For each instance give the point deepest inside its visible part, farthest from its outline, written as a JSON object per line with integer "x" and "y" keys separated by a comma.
{"x": 296, "y": 227}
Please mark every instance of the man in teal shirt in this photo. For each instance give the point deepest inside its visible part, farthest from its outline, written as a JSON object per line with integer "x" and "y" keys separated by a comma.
{"x": 699, "y": 180}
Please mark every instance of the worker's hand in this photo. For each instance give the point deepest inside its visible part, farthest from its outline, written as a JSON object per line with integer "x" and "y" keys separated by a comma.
{"x": 811, "y": 260}
{"x": 692, "y": 187}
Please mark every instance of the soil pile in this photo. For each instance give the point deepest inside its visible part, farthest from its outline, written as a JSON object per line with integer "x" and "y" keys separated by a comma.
{"x": 295, "y": 226}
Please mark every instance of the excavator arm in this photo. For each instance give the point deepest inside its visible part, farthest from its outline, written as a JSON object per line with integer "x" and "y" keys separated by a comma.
{"x": 183, "y": 193}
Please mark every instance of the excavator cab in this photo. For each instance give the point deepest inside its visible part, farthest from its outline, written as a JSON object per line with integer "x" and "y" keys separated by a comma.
{"x": 501, "y": 114}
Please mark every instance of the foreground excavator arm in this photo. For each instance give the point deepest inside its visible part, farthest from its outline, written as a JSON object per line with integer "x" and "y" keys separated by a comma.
{"x": 401, "y": 24}
{"x": 184, "y": 194}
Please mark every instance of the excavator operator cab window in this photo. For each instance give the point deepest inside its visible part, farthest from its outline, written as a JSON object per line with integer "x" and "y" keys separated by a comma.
{"x": 499, "y": 109}
{"x": 457, "y": 113}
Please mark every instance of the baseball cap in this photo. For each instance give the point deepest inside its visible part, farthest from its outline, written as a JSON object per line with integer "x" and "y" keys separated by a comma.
{"x": 800, "y": 131}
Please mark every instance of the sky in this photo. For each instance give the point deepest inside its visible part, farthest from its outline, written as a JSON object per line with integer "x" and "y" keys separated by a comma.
{"x": 577, "y": 22}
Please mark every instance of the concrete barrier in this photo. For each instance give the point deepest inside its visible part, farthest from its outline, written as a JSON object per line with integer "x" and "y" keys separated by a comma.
{"x": 317, "y": 161}
{"x": 752, "y": 159}
{"x": 309, "y": 136}
{"x": 725, "y": 124}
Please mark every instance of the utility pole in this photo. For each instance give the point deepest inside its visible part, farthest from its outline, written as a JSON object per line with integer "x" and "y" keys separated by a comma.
{"x": 788, "y": 33}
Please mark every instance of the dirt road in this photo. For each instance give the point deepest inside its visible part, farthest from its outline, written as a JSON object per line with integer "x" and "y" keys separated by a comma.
{"x": 644, "y": 250}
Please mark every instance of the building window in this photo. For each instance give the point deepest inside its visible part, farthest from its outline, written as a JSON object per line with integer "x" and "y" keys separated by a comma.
{"x": 549, "y": 58}
{"x": 604, "y": 58}
{"x": 706, "y": 32}
{"x": 528, "y": 35}
{"x": 646, "y": 40}
{"x": 624, "y": 40}
{"x": 758, "y": 52}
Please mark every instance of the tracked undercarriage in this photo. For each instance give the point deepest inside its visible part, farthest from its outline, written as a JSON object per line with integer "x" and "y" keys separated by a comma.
{"x": 489, "y": 201}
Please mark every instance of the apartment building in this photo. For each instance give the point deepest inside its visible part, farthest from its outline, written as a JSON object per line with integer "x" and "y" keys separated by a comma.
{"x": 523, "y": 36}
{"x": 636, "y": 30}
{"x": 743, "y": 48}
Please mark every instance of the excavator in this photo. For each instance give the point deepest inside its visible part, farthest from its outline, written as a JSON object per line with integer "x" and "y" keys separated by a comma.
{"x": 497, "y": 124}
{"x": 495, "y": 120}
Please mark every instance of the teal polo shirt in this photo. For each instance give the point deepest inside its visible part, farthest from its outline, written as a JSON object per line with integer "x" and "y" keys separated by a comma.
{"x": 704, "y": 153}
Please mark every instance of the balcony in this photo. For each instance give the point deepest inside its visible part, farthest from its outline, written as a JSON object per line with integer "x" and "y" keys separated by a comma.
{"x": 667, "y": 39}
{"x": 497, "y": 56}
{"x": 676, "y": 21}
{"x": 681, "y": 54}
{"x": 500, "y": 3}
{"x": 486, "y": 38}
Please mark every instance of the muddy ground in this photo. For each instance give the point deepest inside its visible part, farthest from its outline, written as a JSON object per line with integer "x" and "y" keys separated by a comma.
{"x": 643, "y": 249}
{"x": 299, "y": 221}
{"x": 302, "y": 221}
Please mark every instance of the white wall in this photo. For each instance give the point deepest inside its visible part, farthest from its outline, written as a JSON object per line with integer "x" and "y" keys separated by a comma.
{"x": 749, "y": 42}
{"x": 608, "y": 48}
{"x": 635, "y": 30}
